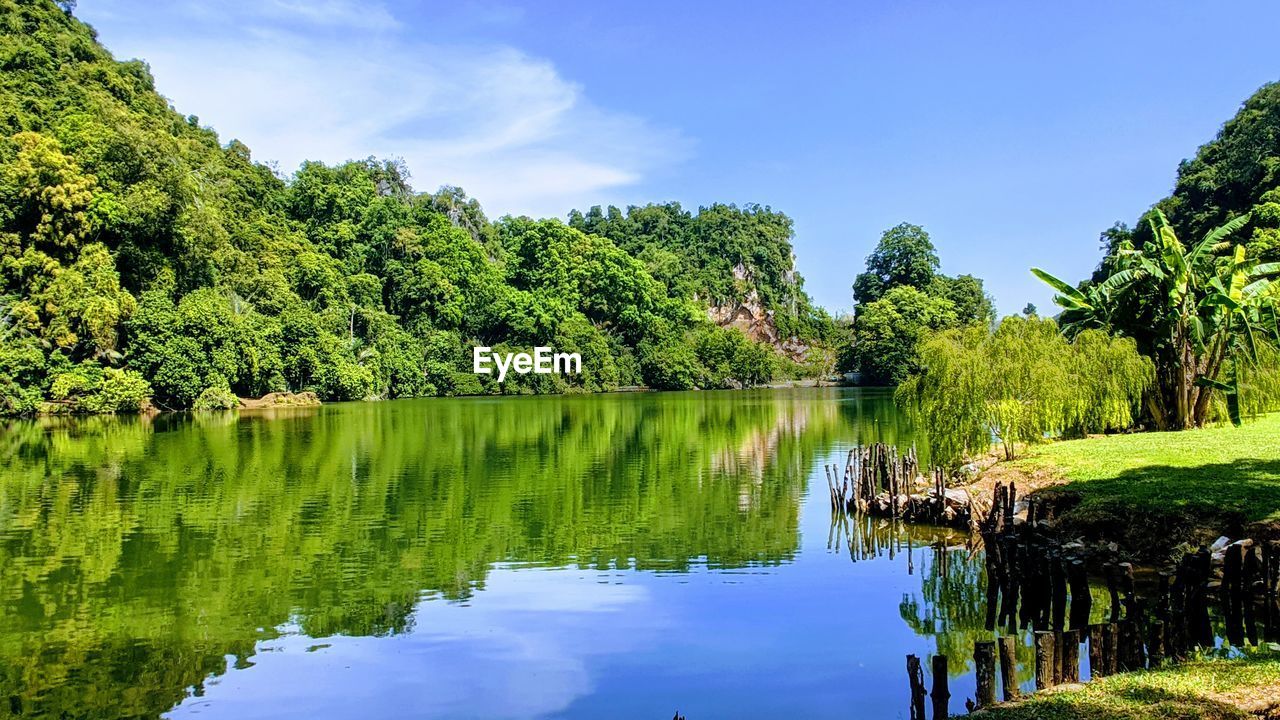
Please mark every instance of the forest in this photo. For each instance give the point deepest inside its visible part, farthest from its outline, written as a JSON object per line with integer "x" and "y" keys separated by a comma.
{"x": 145, "y": 262}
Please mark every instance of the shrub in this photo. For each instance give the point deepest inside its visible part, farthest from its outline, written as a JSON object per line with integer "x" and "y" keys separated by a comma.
{"x": 216, "y": 397}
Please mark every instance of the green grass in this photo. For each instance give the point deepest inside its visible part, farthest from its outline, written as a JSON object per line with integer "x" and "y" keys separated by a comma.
{"x": 1204, "y": 690}
{"x": 1154, "y": 490}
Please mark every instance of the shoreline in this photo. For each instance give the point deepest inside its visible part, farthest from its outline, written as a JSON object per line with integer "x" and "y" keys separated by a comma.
{"x": 273, "y": 400}
{"x": 1151, "y": 493}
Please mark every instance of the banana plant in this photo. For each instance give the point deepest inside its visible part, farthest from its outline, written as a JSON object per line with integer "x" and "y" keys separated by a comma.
{"x": 1211, "y": 302}
{"x": 1241, "y": 301}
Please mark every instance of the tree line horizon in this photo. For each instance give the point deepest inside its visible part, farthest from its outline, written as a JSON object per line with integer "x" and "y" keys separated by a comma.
{"x": 143, "y": 260}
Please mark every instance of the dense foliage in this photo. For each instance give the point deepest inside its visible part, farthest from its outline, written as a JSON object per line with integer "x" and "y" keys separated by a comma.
{"x": 140, "y": 257}
{"x": 1019, "y": 384}
{"x": 901, "y": 299}
{"x": 722, "y": 254}
{"x": 1193, "y": 282}
{"x": 1209, "y": 306}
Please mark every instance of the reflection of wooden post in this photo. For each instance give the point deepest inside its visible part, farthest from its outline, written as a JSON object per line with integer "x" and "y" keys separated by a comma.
{"x": 1070, "y": 653}
{"x": 916, "y": 676}
{"x": 1081, "y": 600}
{"x": 1097, "y": 666}
{"x": 1114, "y": 591}
{"x": 984, "y": 663}
{"x": 1010, "y": 497}
{"x": 941, "y": 693}
{"x": 1058, "y": 578}
{"x": 1044, "y": 659}
{"x": 1009, "y": 666}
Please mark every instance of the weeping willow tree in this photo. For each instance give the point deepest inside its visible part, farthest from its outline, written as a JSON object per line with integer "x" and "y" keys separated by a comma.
{"x": 1259, "y": 384}
{"x": 1020, "y": 384}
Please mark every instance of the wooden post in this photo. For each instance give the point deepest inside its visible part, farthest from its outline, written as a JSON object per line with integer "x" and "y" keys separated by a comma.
{"x": 1111, "y": 648}
{"x": 1156, "y": 647}
{"x": 984, "y": 663}
{"x": 1203, "y": 627}
{"x": 1229, "y": 594}
{"x": 1044, "y": 659}
{"x": 941, "y": 694}
{"x": 1248, "y": 578}
{"x": 1097, "y": 666}
{"x": 915, "y": 676}
{"x": 1132, "y": 655}
{"x": 1268, "y": 592}
{"x": 1059, "y": 647}
{"x": 1070, "y": 652}
{"x": 1009, "y": 667}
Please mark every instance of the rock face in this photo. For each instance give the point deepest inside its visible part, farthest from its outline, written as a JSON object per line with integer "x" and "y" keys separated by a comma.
{"x": 750, "y": 316}
{"x": 281, "y": 399}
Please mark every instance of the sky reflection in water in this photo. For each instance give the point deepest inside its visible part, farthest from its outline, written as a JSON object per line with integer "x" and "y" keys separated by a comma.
{"x": 609, "y": 556}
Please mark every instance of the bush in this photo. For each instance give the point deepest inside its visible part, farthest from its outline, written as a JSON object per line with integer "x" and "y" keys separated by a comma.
{"x": 216, "y": 397}
{"x": 89, "y": 388}
{"x": 119, "y": 391}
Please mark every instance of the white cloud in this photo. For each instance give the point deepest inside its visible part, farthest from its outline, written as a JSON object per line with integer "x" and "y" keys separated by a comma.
{"x": 507, "y": 127}
{"x": 529, "y": 645}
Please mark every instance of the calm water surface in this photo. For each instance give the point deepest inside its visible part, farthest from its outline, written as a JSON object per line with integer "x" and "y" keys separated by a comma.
{"x": 617, "y": 556}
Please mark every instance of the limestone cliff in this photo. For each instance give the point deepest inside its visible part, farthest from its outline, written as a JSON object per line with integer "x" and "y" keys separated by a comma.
{"x": 749, "y": 315}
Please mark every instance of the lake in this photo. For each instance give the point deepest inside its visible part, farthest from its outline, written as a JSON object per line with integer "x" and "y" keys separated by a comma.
{"x": 621, "y": 556}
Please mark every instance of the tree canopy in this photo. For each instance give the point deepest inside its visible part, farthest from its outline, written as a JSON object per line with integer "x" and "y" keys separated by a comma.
{"x": 139, "y": 254}
{"x": 901, "y": 298}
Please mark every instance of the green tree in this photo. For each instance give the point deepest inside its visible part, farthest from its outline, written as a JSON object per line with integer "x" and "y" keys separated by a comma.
{"x": 904, "y": 256}
{"x": 972, "y": 303}
{"x": 1020, "y": 384}
{"x": 888, "y": 330}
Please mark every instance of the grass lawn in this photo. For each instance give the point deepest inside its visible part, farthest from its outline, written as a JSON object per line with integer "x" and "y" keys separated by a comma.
{"x": 1205, "y": 690}
{"x": 1154, "y": 490}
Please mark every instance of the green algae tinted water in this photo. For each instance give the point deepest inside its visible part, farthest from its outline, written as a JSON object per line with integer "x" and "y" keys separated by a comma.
{"x": 537, "y": 557}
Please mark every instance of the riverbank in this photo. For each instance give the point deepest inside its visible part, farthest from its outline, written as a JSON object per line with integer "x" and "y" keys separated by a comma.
{"x": 1150, "y": 492}
{"x": 1210, "y": 689}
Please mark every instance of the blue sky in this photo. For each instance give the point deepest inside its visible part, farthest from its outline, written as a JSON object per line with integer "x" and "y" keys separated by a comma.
{"x": 1014, "y": 132}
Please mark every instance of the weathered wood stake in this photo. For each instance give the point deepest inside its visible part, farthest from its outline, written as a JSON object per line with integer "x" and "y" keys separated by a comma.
{"x": 984, "y": 662}
{"x": 1156, "y": 647}
{"x": 1044, "y": 660}
{"x": 1111, "y": 648}
{"x": 1097, "y": 665}
{"x": 1070, "y": 652}
{"x": 1132, "y": 655}
{"x": 1009, "y": 667}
